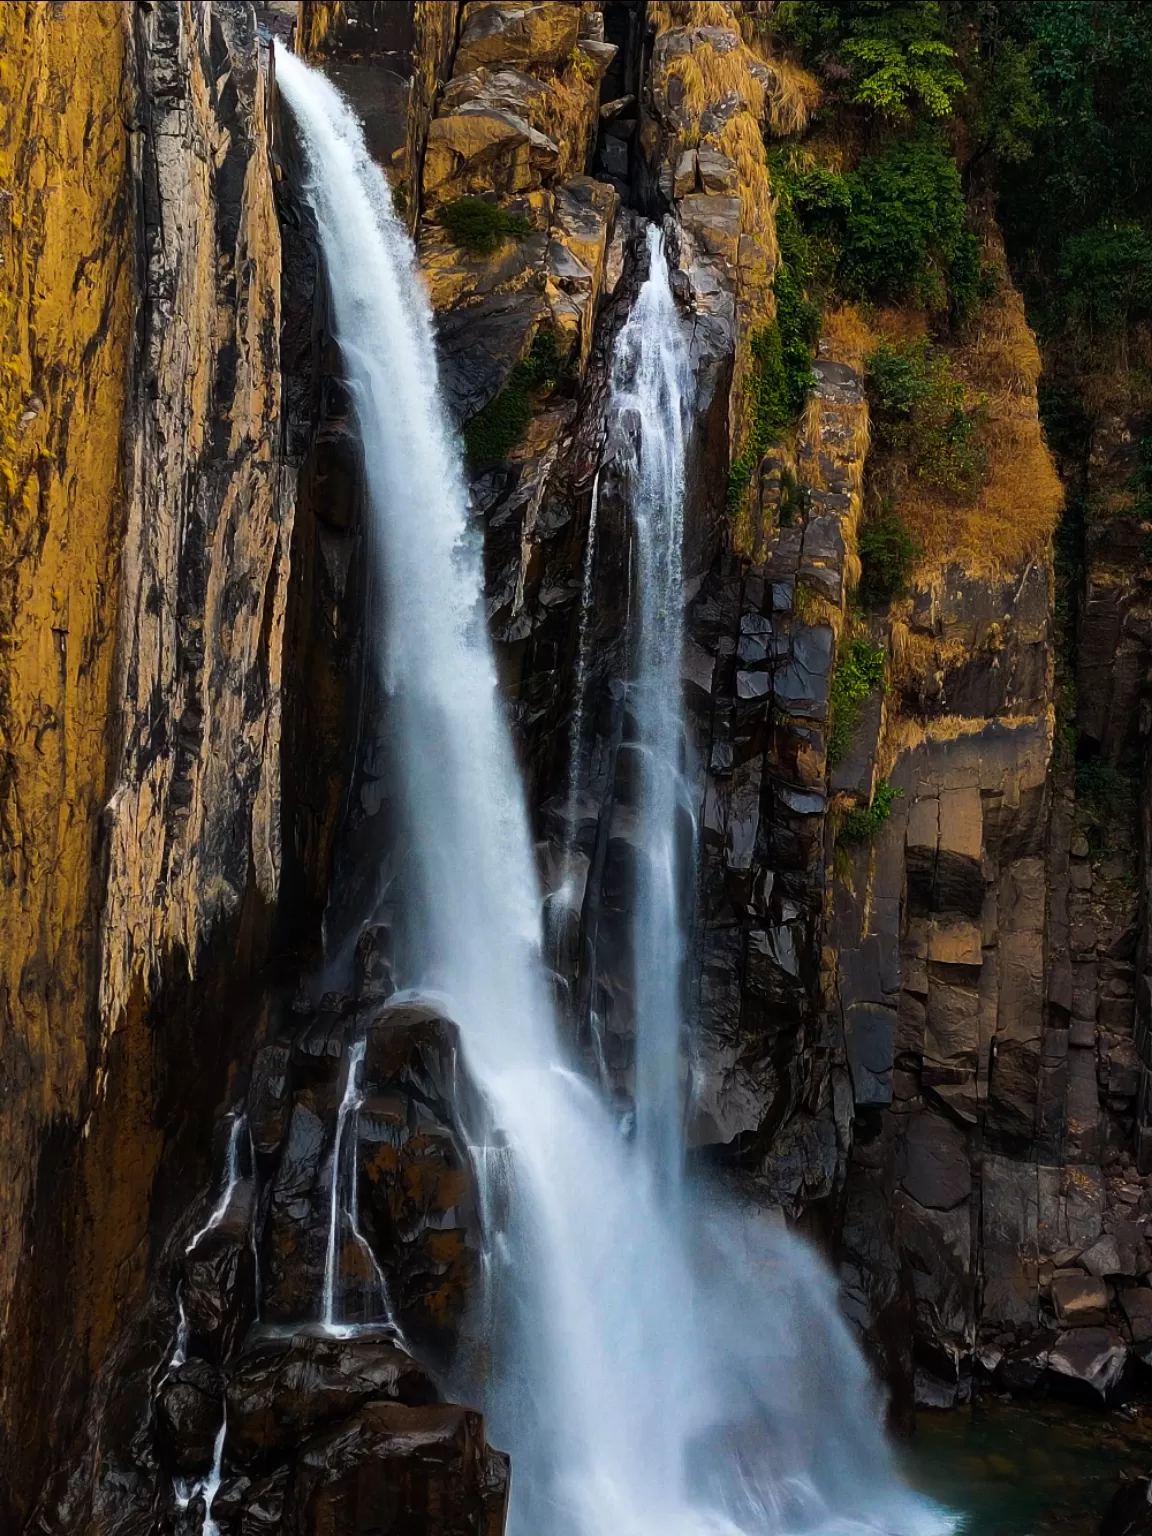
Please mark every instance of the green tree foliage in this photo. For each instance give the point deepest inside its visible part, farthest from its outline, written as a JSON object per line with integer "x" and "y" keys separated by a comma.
{"x": 921, "y": 415}
{"x": 906, "y": 234}
{"x": 1078, "y": 212}
{"x": 887, "y": 551}
{"x": 895, "y": 56}
{"x": 893, "y": 229}
{"x": 1002, "y": 105}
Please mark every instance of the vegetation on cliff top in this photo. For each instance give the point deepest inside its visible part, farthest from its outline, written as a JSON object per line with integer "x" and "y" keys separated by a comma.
{"x": 890, "y": 198}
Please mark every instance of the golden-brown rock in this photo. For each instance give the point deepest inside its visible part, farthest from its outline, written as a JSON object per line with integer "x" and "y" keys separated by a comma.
{"x": 508, "y": 32}
{"x": 146, "y": 526}
{"x": 66, "y": 233}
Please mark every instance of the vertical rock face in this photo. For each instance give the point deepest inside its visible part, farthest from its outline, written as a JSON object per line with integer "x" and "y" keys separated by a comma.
{"x": 149, "y": 520}
{"x": 389, "y": 60}
{"x": 67, "y": 321}
{"x": 194, "y": 815}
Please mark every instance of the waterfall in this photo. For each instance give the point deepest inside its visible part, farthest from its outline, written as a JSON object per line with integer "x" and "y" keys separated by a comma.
{"x": 654, "y": 1372}
{"x": 349, "y": 1104}
{"x": 209, "y": 1486}
{"x": 344, "y": 1203}
{"x": 231, "y": 1179}
{"x": 651, "y": 397}
{"x": 580, "y": 680}
{"x": 180, "y": 1347}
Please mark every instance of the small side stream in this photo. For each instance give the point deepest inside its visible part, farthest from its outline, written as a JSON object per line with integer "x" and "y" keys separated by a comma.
{"x": 1028, "y": 1469}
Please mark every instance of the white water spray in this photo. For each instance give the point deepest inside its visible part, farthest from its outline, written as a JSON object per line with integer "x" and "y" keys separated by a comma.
{"x": 641, "y": 1391}
{"x": 652, "y": 387}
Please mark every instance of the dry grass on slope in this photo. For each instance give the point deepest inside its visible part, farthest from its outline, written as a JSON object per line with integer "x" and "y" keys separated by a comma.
{"x": 1014, "y": 514}
{"x": 1011, "y": 518}
{"x": 710, "y": 74}
{"x": 314, "y": 20}
{"x": 663, "y": 14}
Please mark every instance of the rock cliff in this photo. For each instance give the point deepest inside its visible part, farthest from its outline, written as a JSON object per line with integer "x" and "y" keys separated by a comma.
{"x": 922, "y": 1035}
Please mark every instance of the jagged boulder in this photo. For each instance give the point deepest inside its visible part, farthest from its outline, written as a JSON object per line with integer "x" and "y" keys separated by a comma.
{"x": 189, "y": 1412}
{"x": 1088, "y": 1362}
{"x": 1129, "y": 1511}
{"x": 512, "y": 34}
{"x": 285, "y": 1390}
{"x": 218, "y": 1285}
{"x": 483, "y": 149}
{"x": 418, "y": 1202}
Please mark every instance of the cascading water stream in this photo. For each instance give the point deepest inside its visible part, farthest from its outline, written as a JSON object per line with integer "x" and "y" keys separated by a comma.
{"x": 344, "y": 1202}
{"x": 349, "y": 1104}
{"x": 580, "y": 680}
{"x": 231, "y": 1179}
{"x": 643, "y": 1364}
{"x": 652, "y": 388}
{"x": 208, "y": 1486}
{"x": 564, "y": 902}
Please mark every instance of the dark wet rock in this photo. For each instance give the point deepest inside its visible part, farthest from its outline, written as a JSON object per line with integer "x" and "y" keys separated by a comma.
{"x": 1129, "y": 1511}
{"x": 189, "y": 1412}
{"x": 252, "y": 1506}
{"x": 1136, "y": 1304}
{"x": 218, "y": 1286}
{"x": 283, "y": 1391}
{"x": 374, "y": 961}
{"x": 393, "y": 1468}
{"x": 297, "y": 1227}
{"x": 269, "y": 1105}
{"x": 937, "y": 1172}
{"x": 1023, "y": 1366}
{"x": 1088, "y": 1362}
{"x": 417, "y": 1193}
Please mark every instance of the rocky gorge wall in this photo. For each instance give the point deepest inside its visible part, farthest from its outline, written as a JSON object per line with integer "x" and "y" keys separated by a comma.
{"x": 923, "y": 1048}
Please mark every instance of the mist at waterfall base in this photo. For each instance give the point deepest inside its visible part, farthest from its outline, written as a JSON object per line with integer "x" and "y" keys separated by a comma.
{"x": 653, "y": 1372}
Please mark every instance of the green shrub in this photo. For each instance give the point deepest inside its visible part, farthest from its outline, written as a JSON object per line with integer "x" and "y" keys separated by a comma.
{"x": 887, "y": 551}
{"x": 1110, "y": 800}
{"x": 859, "y": 670}
{"x": 920, "y": 413}
{"x": 862, "y": 824}
{"x": 892, "y": 230}
{"x": 481, "y": 226}
{"x": 906, "y": 231}
{"x": 494, "y": 431}
{"x": 778, "y": 382}
{"x": 1103, "y": 789}
{"x": 781, "y": 376}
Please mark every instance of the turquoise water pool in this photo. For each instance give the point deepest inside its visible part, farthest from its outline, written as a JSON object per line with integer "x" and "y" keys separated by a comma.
{"x": 1027, "y": 1469}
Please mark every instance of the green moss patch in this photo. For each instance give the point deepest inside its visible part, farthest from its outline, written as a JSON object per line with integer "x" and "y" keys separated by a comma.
{"x": 859, "y": 670}
{"x": 493, "y": 432}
